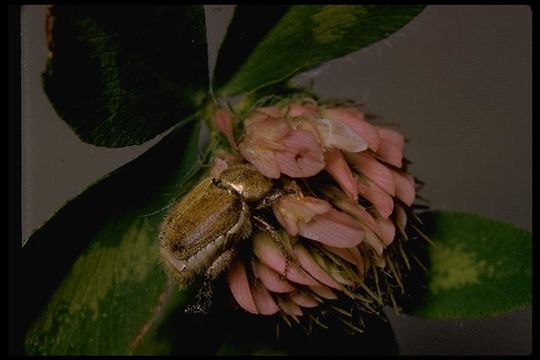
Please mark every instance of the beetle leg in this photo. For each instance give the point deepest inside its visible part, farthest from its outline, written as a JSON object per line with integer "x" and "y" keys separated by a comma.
{"x": 204, "y": 300}
{"x": 289, "y": 188}
{"x": 267, "y": 201}
{"x": 276, "y": 236}
{"x": 204, "y": 296}
{"x": 220, "y": 265}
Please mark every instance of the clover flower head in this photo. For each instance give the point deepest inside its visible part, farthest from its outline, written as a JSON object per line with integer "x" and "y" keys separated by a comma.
{"x": 334, "y": 232}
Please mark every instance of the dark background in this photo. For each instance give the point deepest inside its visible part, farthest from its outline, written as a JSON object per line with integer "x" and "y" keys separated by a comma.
{"x": 457, "y": 80}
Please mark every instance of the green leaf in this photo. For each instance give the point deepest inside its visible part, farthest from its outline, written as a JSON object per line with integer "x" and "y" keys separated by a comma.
{"x": 305, "y": 37}
{"x": 477, "y": 267}
{"x": 248, "y": 27}
{"x": 95, "y": 279}
{"x": 160, "y": 340}
{"x": 122, "y": 75}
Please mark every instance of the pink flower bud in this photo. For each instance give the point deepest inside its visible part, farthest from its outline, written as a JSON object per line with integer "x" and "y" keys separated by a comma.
{"x": 224, "y": 122}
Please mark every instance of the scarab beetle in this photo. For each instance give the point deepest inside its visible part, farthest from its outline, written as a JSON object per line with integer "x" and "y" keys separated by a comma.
{"x": 199, "y": 233}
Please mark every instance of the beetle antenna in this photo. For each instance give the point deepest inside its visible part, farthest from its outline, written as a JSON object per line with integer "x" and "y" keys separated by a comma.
{"x": 158, "y": 210}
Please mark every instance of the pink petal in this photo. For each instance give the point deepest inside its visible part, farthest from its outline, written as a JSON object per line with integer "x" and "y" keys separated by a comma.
{"x": 342, "y": 218}
{"x": 224, "y": 122}
{"x": 270, "y": 279}
{"x": 298, "y": 167}
{"x": 391, "y": 136}
{"x": 290, "y": 308}
{"x": 377, "y": 196}
{"x": 228, "y": 157}
{"x": 340, "y": 277}
{"x": 333, "y": 228}
{"x": 239, "y": 285}
{"x": 267, "y": 143}
{"x": 218, "y": 167}
{"x": 269, "y": 254}
{"x": 303, "y": 156}
{"x": 358, "y": 259}
{"x": 391, "y": 146}
{"x": 343, "y": 253}
{"x": 317, "y": 205}
{"x": 263, "y": 300}
{"x": 354, "y": 118}
{"x": 358, "y": 212}
{"x": 285, "y": 216}
{"x": 299, "y": 141}
{"x": 311, "y": 266}
{"x": 271, "y": 129}
{"x": 262, "y": 159}
{"x": 253, "y": 118}
{"x": 299, "y": 276}
{"x": 367, "y": 165}
{"x": 401, "y": 217}
{"x": 296, "y": 109}
{"x": 338, "y": 168}
{"x": 405, "y": 189}
{"x": 271, "y": 111}
{"x": 390, "y": 154}
{"x": 374, "y": 241}
{"x": 337, "y": 134}
{"x": 352, "y": 255}
{"x": 303, "y": 299}
{"x": 324, "y": 292}
{"x": 305, "y": 208}
{"x": 387, "y": 229}
{"x": 289, "y": 211}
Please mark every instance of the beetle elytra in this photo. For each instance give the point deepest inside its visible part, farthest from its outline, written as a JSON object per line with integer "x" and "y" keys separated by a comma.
{"x": 199, "y": 233}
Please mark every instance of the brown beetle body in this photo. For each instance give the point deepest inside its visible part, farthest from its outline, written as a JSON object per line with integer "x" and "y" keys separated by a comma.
{"x": 199, "y": 233}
